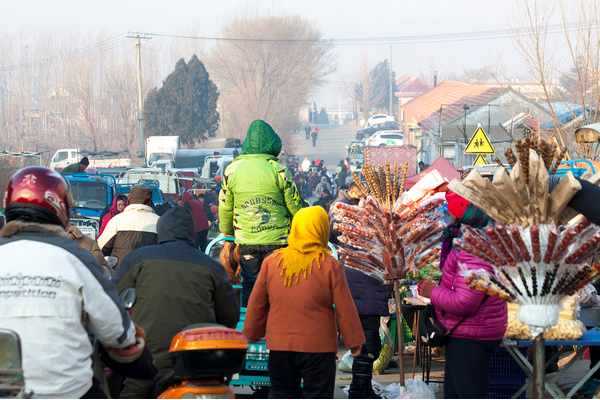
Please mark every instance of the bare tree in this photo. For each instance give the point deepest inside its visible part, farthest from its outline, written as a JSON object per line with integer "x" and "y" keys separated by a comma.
{"x": 475, "y": 76}
{"x": 121, "y": 87}
{"x": 578, "y": 84}
{"x": 84, "y": 99}
{"x": 364, "y": 96}
{"x": 266, "y": 69}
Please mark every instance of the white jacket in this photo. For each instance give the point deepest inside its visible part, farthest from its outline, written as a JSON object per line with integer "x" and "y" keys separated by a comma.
{"x": 135, "y": 227}
{"x": 50, "y": 288}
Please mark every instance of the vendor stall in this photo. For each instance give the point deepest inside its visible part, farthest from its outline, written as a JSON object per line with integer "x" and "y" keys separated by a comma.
{"x": 538, "y": 252}
{"x": 589, "y": 338}
{"x": 385, "y": 237}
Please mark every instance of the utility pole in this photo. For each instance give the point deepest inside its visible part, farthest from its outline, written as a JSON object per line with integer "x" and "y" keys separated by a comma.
{"x": 138, "y": 44}
{"x": 391, "y": 84}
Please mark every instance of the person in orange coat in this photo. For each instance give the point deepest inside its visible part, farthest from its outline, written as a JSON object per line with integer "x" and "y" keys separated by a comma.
{"x": 292, "y": 304}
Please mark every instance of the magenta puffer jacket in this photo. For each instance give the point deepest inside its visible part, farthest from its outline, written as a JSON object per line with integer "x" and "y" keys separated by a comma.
{"x": 453, "y": 300}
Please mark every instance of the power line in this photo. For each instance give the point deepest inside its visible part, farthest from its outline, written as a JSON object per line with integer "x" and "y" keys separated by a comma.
{"x": 102, "y": 46}
{"x": 121, "y": 40}
{"x": 408, "y": 39}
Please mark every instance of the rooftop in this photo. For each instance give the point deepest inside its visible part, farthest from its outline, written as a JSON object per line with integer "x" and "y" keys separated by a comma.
{"x": 445, "y": 94}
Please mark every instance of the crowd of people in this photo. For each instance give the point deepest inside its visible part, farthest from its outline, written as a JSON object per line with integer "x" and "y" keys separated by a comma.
{"x": 279, "y": 243}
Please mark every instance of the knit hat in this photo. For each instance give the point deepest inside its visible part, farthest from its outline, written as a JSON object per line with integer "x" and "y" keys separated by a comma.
{"x": 84, "y": 161}
{"x": 139, "y": 193}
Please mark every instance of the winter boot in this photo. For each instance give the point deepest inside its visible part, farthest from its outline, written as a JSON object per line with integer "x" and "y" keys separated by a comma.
{"x": 360, "y": 387}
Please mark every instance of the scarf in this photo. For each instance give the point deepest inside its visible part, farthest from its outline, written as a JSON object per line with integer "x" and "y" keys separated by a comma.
{"x": 112, "y": 212}
{"x": 473, "y": 217}
{"x": 307, "y": 242}
{"x": 113, "y": 208}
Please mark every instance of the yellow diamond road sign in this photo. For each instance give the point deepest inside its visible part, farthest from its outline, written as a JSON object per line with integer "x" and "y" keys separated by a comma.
{"x": 480, "y": 160}
{"x": 479, "y": 143}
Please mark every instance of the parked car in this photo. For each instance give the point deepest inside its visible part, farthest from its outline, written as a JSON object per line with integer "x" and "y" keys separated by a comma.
{"x": 366, "y": 132}
{"x": 386, "y": 138}
{"x": 379, "y": 118}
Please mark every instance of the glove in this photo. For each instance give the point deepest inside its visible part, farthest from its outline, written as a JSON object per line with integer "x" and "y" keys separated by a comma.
{"x": 425, "y": 288}
{"x": 132, "y": 352}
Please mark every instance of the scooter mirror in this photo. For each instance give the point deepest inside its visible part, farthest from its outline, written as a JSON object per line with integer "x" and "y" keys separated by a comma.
{"x": 11, "y": 371}
{"x": 112, "y": 261}
{"x": 128, "y": 296}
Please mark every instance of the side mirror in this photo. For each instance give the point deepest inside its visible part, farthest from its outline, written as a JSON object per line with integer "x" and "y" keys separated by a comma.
{"x": 112, "y": 261}
{"x": 129, "y": 297}
{"x": 11, "y": 368}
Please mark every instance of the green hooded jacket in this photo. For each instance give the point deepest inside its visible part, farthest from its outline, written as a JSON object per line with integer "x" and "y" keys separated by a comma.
{"x": 258, "y": 196}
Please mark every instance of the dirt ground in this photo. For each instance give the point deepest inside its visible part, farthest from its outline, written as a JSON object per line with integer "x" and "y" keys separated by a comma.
{"x": 391, "y": 375}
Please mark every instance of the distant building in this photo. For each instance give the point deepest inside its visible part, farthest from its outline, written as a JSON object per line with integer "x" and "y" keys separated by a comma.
{"x": 441, "y": 121}
{"x": 409, "y": 87}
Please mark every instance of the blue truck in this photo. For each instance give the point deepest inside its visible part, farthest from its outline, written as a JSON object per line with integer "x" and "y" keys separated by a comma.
{"x": 91, "y": 194}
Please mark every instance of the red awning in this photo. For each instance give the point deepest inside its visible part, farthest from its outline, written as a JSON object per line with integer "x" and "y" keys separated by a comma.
{"x": 443, "y": 166}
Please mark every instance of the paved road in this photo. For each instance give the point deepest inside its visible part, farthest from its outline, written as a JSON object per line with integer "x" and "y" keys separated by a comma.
{"x": 331, "y": 144}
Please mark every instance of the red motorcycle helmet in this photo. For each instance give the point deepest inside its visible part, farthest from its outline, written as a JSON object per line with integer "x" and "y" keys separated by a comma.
{"x": 38, "y": 190}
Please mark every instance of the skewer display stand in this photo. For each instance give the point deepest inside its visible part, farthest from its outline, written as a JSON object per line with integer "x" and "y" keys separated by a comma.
{"x": 538, "y": 258}
{"x": 385, "y": 238}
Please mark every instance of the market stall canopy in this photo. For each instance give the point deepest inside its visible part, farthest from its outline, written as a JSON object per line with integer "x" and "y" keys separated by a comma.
{"x": 443, "y": 166}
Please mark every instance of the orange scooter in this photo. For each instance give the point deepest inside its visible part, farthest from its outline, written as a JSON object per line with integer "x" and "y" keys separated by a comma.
{"x": 205, "y": 357}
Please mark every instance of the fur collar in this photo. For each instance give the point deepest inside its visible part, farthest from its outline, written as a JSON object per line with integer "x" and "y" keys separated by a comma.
{"x": 14, "y": 227}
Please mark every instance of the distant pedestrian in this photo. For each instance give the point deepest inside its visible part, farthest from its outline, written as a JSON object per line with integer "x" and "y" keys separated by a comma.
{"x": 77, "y": 168}
{"x": 321, "y": 186}
{"x": 284, "y": 158}
{"x": 315, "y": 135}
{"x": 307, "y": 130}
{"x": 135, "y": 227}
{"x": 325, "y": 200}
{"x": 117, "y": 207}
{"x": 201, "y": 224}
{"x": 306, "y": 164}
{"x": 341, "y": 175}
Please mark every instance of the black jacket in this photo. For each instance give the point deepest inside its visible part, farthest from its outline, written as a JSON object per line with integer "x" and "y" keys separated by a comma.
{"x": 176, "y": 285}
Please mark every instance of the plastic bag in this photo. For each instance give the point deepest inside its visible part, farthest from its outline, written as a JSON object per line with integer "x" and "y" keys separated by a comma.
{"x": 345, "y": 364}
{"x": 588, "y": 296}
{"x": 417, "y": 389}
{"x": 387, "y": 347}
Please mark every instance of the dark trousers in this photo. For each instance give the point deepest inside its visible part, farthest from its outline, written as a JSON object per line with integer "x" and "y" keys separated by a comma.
{"x": 362, "y": 366}
{"x": 594, "y": 357}
{"x": 95, "y": 391}
{"x": 251, "y": 258}
{"x": 288, "y": 368}
{"x": 467, "y": 372}
{"x": 138, "y": 389}
{"x": 201, "y": 240}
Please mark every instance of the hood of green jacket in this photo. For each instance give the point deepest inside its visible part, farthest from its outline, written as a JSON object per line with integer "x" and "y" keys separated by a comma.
{"x": 177, "y": 224}
{"x": 261, "y": 139}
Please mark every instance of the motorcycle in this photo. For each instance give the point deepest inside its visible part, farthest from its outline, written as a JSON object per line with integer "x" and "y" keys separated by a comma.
{"x": 204, "y": 356}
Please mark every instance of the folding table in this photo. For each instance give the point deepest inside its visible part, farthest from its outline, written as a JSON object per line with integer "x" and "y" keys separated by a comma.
{"x": 589, "y": 338}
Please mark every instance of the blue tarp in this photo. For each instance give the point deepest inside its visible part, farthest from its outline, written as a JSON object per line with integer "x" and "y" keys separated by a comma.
{"x": 565, "y": 112}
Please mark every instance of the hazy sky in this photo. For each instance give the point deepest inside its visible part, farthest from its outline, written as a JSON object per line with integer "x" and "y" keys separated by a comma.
{"x": 337, "y": 19}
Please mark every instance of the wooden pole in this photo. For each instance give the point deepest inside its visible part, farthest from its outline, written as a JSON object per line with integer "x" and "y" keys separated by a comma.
{"x": 539, "y": 367}
{"x": 399, "y": 331}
